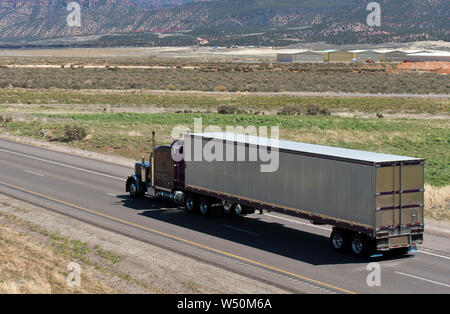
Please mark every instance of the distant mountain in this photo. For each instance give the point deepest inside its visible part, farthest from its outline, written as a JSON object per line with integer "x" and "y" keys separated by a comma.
{"x": 226, "y": 22}
{"x": 157, "y": 4}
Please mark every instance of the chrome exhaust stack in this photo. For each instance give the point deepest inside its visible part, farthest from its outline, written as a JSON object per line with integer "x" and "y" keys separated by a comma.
{"x": 152, "y": 160}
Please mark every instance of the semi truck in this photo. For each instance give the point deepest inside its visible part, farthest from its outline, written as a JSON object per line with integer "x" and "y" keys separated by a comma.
{"x": 374, "y": 201}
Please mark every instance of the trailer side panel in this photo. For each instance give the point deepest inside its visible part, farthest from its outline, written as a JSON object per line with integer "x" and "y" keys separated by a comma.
{"x": 325, "y": 187}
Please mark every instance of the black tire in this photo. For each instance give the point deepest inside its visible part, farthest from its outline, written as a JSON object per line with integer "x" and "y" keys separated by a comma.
{"x": 359, "y": 245}
{"x": 191, "y": 203}
{"x": 238, "y": 210}
{"x": 205, "y": 206}
{"x": 134, "y": 192}
{"x": 339, "y": 240}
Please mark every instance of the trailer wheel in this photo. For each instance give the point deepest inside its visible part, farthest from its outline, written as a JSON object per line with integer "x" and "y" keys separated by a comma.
{"x": 190, "y": 203}
{"x": 338, "y": 240}
{"x": 358, "y": 245}
{"x": 205, "y": 206}
{"x": 238, "y": 210}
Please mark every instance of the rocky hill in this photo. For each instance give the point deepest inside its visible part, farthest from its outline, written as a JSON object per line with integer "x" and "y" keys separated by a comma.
{"x": 257, "y": 22}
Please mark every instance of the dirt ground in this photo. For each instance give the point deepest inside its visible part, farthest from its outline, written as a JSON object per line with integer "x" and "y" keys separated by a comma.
{"x": 427, "y": 66}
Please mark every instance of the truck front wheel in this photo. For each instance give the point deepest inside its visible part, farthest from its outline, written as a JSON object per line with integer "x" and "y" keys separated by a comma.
{"x": 134, "y": 190}
{"x": 338, "y": 240}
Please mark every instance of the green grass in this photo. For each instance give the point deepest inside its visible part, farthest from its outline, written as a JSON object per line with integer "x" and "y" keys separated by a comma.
{"x": 128, "y": 134}
{"x": 72, "y": 248}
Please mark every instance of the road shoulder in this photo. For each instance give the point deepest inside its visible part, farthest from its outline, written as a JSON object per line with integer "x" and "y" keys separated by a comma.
{"x": 435, "y": 227}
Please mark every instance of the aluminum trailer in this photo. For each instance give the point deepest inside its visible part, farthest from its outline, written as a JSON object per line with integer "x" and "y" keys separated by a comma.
{"x": 374, "y": 201}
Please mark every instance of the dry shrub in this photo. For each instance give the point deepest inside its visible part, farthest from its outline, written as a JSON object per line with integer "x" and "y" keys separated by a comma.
{"x": 315, "y": 110}
{"x": 220, "y": 88}
{"x": 291, "y": 111}
{"x": 311, "y": 110}
{"x": 227, "y": 109}
{"x": 171, "y": 87}
{"x": 5, "y": 119}
{"x": 437, "y": 202}
{"x": 74, "y": 133}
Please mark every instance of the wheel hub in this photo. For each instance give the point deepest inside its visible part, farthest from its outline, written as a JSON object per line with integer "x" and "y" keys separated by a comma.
{"x": 204, "y": 208}
{"x": 338, "y": 241}
{"x": 238, "y": 209}
{"x": 133, "y": 189}
{"x": 357, "y": 245}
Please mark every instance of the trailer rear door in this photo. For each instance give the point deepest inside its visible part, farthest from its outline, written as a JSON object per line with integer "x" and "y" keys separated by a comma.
{"x": 399, "y": 195}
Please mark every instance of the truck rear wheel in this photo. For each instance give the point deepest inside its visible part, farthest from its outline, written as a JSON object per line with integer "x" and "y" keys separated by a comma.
{"x": 191, "y": 203}
{"x": 238, "y": 210}
{"x": 205, "y": 206}
{"x": 339, "y": 240}
{"x": 242, "y": 210}
{"x": 359, "y": 245}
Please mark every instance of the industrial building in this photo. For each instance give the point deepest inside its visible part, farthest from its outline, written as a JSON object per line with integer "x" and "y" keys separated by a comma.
{"x": 393, "y": 55}
{"x": 367, "y": 56}
{"x": 429, "y": 56}
{"x": 304, "y": 56}
{"x": 337, "y": 56}
{"x": 285, "y": 57}
{"x": 362, "y": 55}
{"x": 309, "y": 57}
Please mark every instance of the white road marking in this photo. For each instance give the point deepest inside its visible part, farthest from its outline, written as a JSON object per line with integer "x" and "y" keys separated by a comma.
{"x": 420, "y": 278}
{"x": 35, "y": 173}
{"x": 433, "y": 254}
{"x": 329, "y": 229}
{"x": 242, "y": 230}
{"x": 299, "y": 222}
{"x": 61, "y": 164}
{"x": 111, "y": 194}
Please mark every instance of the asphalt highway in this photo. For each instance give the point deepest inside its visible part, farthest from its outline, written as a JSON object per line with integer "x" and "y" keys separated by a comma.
{"x": 282, "y": 250}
